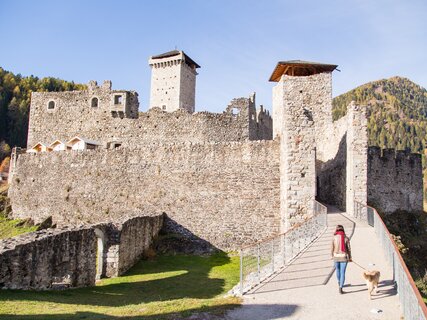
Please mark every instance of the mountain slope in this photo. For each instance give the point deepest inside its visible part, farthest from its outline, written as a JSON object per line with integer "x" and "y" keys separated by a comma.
{"x": 397, "y": 112}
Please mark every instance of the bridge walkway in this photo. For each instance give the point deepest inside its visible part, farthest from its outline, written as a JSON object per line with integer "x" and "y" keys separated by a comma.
{"x": 308, "y": 289}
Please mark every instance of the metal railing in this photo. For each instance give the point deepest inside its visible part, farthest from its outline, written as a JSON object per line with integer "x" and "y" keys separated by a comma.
{"x": 262, "y": 259}
{"x": 413, "y": 306}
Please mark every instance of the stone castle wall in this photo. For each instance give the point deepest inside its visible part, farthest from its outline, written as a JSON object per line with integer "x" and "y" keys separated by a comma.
{"x": 42, "y": 259}
{"x": 341, "y": 168}
{"x": 225, "y": 193}
{"x": 331, "y": 170}
{"x": 136, "y": 236}
{"x": 74, "y": 116}
{"x": 395, "y": 180}
{"x": 58, "y": 258}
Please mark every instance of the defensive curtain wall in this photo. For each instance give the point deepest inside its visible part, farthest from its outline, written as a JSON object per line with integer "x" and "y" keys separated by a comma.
{"x": 226, "y": 193}
{"x": 395, "y": 180}
{"x": 75, "y": 256}
{"x": 111, "y": 117}
{"x": 201, "y": 169}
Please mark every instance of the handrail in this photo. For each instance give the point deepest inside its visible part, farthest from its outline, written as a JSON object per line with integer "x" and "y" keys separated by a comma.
{"x": 295, "y": 226}
{"x": 407, "y": 310}
{"x": 263, "y": 258}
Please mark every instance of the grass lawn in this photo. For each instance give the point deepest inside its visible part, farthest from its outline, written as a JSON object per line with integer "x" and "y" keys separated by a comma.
{"x": 167, "y": 287}
{"x": 10, "y": 228}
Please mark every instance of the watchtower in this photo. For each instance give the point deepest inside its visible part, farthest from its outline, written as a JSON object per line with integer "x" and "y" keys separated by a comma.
{"x": 173, "y": 81}
{"x": 302, "y": 110}
{"x": 302, "y": 84}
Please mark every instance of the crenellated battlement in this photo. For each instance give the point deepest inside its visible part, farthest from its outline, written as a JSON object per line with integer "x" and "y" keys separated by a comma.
{"x": 395, "y": 179}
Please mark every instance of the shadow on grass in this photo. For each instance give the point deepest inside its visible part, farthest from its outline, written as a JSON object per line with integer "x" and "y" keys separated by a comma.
{"x": 259, "y": 311}
{"x": 165, "y": 278}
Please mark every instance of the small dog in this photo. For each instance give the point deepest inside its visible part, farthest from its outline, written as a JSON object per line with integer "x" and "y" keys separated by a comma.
{"x": 372, "y": 278}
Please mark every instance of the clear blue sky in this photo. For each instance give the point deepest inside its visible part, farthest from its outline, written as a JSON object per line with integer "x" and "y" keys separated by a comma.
{"x": 237, "y": 43}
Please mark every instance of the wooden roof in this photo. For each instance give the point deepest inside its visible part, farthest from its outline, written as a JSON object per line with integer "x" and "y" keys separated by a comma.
{"x": 300, "y": 68}
{"x": 173, "y": 53}
{"x": 56, "y": 142}
{"x": 87, "y": 141}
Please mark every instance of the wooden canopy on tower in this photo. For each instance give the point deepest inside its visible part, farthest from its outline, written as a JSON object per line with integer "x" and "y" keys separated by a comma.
{"x": 300, "y": 68}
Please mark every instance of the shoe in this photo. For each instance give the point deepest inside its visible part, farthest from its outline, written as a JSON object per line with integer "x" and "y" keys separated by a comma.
{"x": 341, "y": 292}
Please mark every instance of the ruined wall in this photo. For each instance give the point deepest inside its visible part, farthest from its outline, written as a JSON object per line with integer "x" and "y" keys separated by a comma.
{"x": 395, "y": 180}
{"x": 136, "y": 236}
{"x": 58, "y": 258}
{"x": 225, "y": 193}
{"x": 257, "y": 122}
{"x": 263, "y": 125}
{"x": 44, "y": 259}
{"x": 74, "y": 115}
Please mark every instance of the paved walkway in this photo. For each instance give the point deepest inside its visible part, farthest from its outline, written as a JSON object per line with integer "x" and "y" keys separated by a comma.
{"x": 308, "y": 289}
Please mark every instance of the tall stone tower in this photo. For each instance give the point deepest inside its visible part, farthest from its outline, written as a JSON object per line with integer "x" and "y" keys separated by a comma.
{"x": 173, "y": 81}
{"x": 302, "y": 112}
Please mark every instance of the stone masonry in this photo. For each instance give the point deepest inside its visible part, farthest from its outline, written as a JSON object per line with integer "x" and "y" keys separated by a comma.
{"x": 75, "y": 116}
{"x": 67, "y": 257}
{"x": 173, "y": 81}
{"x": 220, "y": 177}
{"x": 394, "y": 180}
{"x": 226, "y": 193}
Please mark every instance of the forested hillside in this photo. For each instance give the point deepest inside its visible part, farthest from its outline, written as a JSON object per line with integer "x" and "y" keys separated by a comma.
{"x": 397, "y": 112}
{"x": 15, "y": 94}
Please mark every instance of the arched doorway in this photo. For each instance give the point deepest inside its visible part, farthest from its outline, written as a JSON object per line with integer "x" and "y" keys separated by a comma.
{"x": 99, "y": 253}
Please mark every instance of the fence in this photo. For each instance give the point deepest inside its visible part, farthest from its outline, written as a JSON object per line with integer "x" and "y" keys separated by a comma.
{"x": 412, "y": 303}
{"x": 262, "y": 259}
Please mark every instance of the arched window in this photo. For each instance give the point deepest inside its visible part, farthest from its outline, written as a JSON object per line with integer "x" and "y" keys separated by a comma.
{"x": 94, "y": 102}
{"x": 51, "y": 105}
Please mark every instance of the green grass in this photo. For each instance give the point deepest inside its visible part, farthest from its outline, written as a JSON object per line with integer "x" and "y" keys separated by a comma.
{"x": 168, "y": 287}
{"x": 10, "y": 228}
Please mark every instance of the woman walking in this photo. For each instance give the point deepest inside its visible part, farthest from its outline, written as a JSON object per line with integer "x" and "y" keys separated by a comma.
{"x": 341, "y": 254}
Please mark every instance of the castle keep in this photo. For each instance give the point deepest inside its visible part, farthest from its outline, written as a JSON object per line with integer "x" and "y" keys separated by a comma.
{"x": 173, "y": 81}
{"x": 230, "y": 179}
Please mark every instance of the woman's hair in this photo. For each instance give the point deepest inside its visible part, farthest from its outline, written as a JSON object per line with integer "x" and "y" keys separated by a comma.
{"x": 339, "y": 228}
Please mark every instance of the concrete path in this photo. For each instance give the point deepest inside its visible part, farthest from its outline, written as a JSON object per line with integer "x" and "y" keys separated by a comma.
{"x": 308, "y": 288}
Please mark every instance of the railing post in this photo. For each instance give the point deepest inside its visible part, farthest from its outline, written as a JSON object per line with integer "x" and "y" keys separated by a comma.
{"x": 258, "y": 262}
{"x": 272, "y": 255}
{"x": 393, "y": 267}
{"x": 241, "y": 272}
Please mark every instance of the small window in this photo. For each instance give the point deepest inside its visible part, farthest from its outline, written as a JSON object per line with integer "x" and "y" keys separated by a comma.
{"x": 51, "y": 105}
{"x": 235, "y": 111}
{"x": 164, "y": 107}
{"x": 118, "y": 99}
{"x": 94, "y": 102}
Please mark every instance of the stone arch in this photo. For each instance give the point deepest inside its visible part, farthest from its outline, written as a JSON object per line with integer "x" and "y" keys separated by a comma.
{"x": 100, "y": 248}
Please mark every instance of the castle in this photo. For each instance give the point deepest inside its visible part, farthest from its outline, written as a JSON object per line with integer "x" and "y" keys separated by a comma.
{"x": 230, "y": 179}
